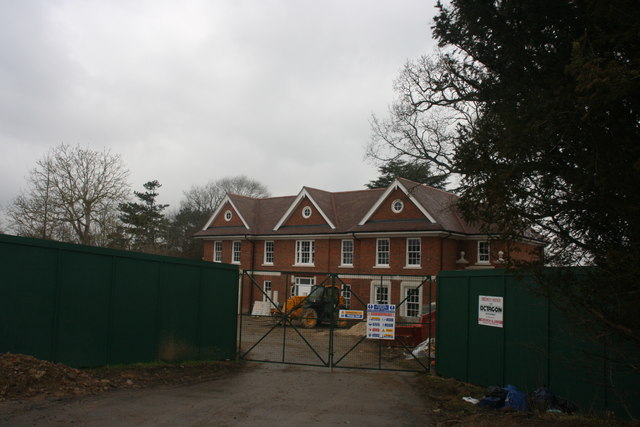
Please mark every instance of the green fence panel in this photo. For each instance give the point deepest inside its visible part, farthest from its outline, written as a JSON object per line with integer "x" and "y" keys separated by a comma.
{"x": 27, "y": 299}
{"x": 83, "y": 308}
{"x": 537, "y": 346}
{"x": 526, "y": 335}
{"x": 179, "y": 313}
{"x": 452, "y": 329}
{"x": 86, "y": 306}
{"x": 218, "y": 309}
{"x": 623, "y": 388}
{"x": 577, "y": 364}
{"x": 133, "y": 311}
{"x": 486, "y": 343}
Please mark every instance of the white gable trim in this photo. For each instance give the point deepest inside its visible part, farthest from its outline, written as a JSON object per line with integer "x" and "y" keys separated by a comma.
{"x": 395, "y": 185}
{"x": 302, "y": 195}
{"x": 219, "y": 208}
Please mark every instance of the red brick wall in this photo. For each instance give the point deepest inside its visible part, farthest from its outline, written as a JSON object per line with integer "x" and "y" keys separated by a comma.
{"x": 436, "y": 254}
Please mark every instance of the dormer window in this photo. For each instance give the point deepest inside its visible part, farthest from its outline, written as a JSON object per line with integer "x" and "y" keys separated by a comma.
{"x": 306, "y": 212}
{"x": 397, "y": 206}
{"x": 227, "y": 216}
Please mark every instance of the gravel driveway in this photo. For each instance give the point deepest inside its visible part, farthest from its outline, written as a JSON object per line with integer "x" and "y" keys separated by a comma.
{"x": 259, "y": 395}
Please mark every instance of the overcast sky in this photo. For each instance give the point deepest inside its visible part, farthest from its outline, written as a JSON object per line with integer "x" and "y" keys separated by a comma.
{"x": 191, "y": 91}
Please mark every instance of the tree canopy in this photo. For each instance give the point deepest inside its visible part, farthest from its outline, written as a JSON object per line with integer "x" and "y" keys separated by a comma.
{"x": 415, "y": 171}
{"x": 144, "y": 222}
{"x": 536, "y": 105}
{"x": 72, "y": 195}
{"x": 198, "y": 204}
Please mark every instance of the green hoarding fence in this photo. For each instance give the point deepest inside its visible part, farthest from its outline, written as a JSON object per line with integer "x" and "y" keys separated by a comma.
{"x": 536, "y": 345}
{"x": 85, "y": 306}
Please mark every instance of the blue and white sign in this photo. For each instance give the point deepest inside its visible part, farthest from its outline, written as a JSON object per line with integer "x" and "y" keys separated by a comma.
{"x": 381, "y": 321}
{"x": 351, "y": 314}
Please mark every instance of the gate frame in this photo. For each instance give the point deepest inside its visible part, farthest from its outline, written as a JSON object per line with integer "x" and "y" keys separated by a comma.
{"x": 336, "y": 280}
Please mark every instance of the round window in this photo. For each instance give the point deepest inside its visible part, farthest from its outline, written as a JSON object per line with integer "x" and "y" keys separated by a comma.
{"x": 228, "y": 215}
{"x": 306, "y": 212}
{"x": 397, "y": 206}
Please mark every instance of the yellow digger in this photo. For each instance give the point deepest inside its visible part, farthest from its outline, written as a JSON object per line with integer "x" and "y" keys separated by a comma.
{"x": 322, "y": 305}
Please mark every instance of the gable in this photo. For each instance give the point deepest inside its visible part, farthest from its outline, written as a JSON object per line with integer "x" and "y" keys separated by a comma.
{"x": 295, "y": 214}
{"x": 385, "y": 211}
{"x": 226, "y": 215}
{"x": 397, "y": 191}
{"x": 221, "y": 220}
{"x": 297, "y": 218}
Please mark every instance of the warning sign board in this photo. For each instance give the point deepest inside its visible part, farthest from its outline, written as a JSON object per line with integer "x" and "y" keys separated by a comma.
{"x": 381, "y": 321}
{"x": 490, "y": 311}
{"x": 351, "y": 314}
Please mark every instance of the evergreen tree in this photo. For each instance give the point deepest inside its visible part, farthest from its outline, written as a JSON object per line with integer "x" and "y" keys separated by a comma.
{"x": 144, "y": 223}
{"x": 414, "y": 171}
{"x": 536, "y": 105}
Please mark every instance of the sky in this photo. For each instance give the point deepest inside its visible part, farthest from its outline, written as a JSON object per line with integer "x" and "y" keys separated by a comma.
{"x": 186, "y": 92}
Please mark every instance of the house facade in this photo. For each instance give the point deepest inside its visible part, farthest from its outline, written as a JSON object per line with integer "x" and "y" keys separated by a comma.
{"x": 383, "y": 244}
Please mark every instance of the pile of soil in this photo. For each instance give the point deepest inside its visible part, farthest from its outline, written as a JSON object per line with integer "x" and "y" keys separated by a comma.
{"x": 25, "y": 377}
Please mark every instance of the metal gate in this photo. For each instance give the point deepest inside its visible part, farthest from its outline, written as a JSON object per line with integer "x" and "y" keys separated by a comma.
{"x": 294, "y": 318}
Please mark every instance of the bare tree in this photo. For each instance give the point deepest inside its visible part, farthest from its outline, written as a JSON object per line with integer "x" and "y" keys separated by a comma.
{"x": 423, "y": 121}
{"x": 197, "y": 206}
{"x": 70, "y": 192}
{"x": 207, "y": 197}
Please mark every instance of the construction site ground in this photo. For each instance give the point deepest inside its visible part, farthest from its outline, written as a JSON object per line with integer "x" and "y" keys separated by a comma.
{"x": 35, "y": 392}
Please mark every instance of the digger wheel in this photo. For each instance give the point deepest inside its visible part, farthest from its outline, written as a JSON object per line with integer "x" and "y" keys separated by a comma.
{"x": 309, "y": 318}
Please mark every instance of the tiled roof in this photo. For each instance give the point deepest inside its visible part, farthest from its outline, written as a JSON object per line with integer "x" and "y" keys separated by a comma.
{"x": 345, "y": 210}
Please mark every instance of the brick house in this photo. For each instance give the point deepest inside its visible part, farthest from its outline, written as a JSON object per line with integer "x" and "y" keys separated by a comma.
{"x": 381, "y": 242}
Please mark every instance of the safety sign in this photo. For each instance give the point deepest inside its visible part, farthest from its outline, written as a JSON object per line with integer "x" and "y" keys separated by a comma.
{"x": 381, "y": 321}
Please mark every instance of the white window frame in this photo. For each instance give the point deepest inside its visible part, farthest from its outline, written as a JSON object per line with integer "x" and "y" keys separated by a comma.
{"x": 217, "y": 251}
{"x": 228, "y": 215}
{"x": 306, "y": 212}
{"x": 408, "y": 253}
{"x": 379, "y": 253}
{"x": 301, "y": 280}
{"x": 404, "y": 308}
{"x": 346, "y": 294}
{"x": 375, "y": 284}
{"x": 397, "y": 206}
{"x": 236, "y": 252}
{"x": 484, "y": 255}
{"x": 266, "y": 287}
{"x": 343, "y": 253}
{"x": 301, "y": 252}
{"x": 269, "y": 255}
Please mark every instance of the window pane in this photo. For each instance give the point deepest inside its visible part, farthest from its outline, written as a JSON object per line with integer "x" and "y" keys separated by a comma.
{"x": 383, "y": 252}
{"x": 217, "y": 252}
{"x": 267, "y": 290}
{"x": 305, "y": 251}
{"x": 236, "y": 252}
{"x": 413, "y": 252}
{"x": 382, "y": 294}
{"x": 346, "y": 295}
{"x": 347, "y": 252}
{"x": 483, "y": 251}
{"x": 412, "y": 302}
{"x": 268, "y": 252}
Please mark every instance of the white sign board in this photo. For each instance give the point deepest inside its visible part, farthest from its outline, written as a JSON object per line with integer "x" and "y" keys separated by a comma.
{"x": 381, "y": 321}
{"x": 490, "y": 311}
{"x": 351, "y": 314}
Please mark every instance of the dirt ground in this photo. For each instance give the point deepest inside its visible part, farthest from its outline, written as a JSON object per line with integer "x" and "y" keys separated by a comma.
{"x": 25, "y": 377}
{"x": 35, "y": 392}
